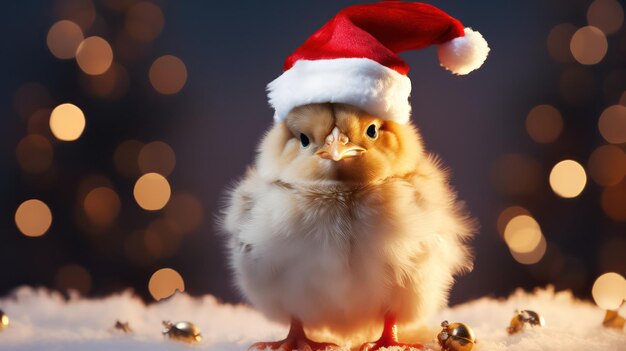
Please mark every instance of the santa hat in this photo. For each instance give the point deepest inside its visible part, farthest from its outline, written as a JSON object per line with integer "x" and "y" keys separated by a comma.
{"x": 353, "y": 58}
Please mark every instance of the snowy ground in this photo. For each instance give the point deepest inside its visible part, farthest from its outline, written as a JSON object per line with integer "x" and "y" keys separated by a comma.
{"x": 44, "y": 321}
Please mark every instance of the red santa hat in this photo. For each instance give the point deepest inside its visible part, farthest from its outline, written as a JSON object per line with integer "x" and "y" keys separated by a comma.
{"x": 353, "y": 59}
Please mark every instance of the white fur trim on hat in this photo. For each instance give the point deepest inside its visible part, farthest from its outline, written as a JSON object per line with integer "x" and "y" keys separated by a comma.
{"x": 463, "y": 54}
{"x": 360, "y": 82}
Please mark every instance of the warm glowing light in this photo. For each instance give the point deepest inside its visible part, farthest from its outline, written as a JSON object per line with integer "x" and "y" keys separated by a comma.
{"x": 516, "y": 174}
{"x": 81, "y": 12}
{"x": 67, "y": 122}
{"x": 168, "y": 74}
{"x": 568, "y": 178}
{"x": 152, "y": 191}
{"x": 613, "y": 201}
{"x": 607, "y": 15}
{"x": 522, "y": 234}
{"x": 144, "y": 21}
{"x": 112, "y": 84}
{"x": 589, "y": 45}
{"x": 185, "y": 211}
{"x": 612, "y": 124}
{"x": 164, "y": 283}
{"x": 507, "y": 214}
{"x": 33, "y": 218}
{"x": 63, "y": 39}
{"x": 31, "y": 97}
{"x": 125, "y": 158}
{"x": 157, "y": 157}
{"x": 533, "y": 256}
{"x": 102, "y": 205}
{"x": 609, "y": 291}
{"x": 73, "y": 277}
{"x": 607, "y": 165}
{"x": 544, "y": 123}
{"x": 559, "y": 40}
{"x": 94, "y": 55}
{"x": 34, "y": 154}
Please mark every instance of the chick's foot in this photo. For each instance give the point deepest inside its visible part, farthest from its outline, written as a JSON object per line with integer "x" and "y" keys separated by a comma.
{"x": 389, "y": 338}
{"x": 295, "y": 340}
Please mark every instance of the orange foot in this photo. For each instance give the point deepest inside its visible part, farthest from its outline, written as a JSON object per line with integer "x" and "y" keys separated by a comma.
{"x": 389, "y": 338}
{"x": 295, "y": 340}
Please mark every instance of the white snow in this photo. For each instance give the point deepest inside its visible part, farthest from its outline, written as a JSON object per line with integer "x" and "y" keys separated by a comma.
{"x": 43, "y": 320}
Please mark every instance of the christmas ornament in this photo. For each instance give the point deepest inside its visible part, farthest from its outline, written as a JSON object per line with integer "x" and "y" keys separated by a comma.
{"x": 123, "y": 327}
{"x": 456, "y": 337}
{"x": 182, "y": 331}
{"x": 4, "y": 320}
{"x": 612, "y": 319}
{"x": 326, "y": 204}
{"x": 525, "y": 318}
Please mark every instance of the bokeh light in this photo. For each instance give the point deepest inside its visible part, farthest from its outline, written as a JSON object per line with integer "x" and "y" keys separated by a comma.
{"x": 589, "y": 45}
{"x": 168, "y": 74}
{"x": 607, "y": 165}
{"x": 67, "y": 122}
{"x": 516, "y": 174}
{"x": 34, "y": 154}
{"x": 102, "y": 205}
{"x": 609, "y": 291}
{"x": 507, "y": 214}
{"x": 94, "y": 55}
{"x": 185, "y": 211}
{"x": 612, "y": 124}
{"x": 73, "y": 277}
{"x": 613, "y": 201}
{"x": 63, "y": 39}
{"x": 559, "y": 42}
{"x": 568, "y": 178}
{"x": 33, "y": 218}
{"x": 126, "y": 156}
{"x": 144, "y": 21}
{"x": 152, "y": 191}
{"x": 522, "y": 234}
{"x": 157, "y": 157}
{"x": 544, "y": 123}
{"x": 82, "y": 12}
{"x": 112, "y": 84}
{"x": 164, "y": 283}
{"x": 533, "y": 256}
{"x": 606, "y": 15}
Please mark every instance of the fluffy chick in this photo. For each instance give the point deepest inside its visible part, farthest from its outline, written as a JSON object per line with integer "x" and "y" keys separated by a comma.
{"x": 343, "y": 222}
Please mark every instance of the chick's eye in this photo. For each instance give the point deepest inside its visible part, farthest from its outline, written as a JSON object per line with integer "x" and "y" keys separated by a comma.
{"x": 371, "y": 131}
{"x": 304, "y": 140}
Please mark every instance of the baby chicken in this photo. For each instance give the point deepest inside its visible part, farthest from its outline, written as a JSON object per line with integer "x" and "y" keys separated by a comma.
{"x": 345, "y": 223}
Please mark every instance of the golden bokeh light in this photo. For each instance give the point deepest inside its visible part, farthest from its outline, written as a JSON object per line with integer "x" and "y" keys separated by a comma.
{"x": 612, "y": 124}
{"x": 589, "y": 45}
{"x": 544, "y": 123}
{"x": 559, "y": 41}
{"x": 67, "y": 122}
{"x": 31, "y": 97}
{"x": 157, "y": 157}
{"x": 168, "y": 74}
{"x": 33, "y": 218}
{"x": 609, "y": 291}
{"x": 507, "y": 214}
{"x": 164, "y": 283}
{"x": 516, "y": 174}
{"x": 568, "y": 179}
{"x": 102, "y": 205}
{"x": 607, "y": 165}
{"x": 73, "y": 277}
{"x": 94, "y": 55}
{"x": 613, "y": 201}
{"x": 126, "y": 156}
{"x": 152, "y": 191}
{"x": 144, "y": 21}
{"x": 81, "y": 12}
{"x": 112, "y": 84}
{"x": 185, "y": 211}
{"x": 533, "y": 256}
{"x": 63, "y": 39}
{"x": 606, "y": 15}
{"x": 34, "y": 154}
{"x": 522, "y": 234}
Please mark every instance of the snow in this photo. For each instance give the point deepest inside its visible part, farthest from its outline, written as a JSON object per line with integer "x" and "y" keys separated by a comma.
{"x": 40, "y": 319}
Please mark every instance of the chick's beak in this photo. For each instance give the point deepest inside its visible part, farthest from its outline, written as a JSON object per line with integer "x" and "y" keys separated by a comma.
{"x": 337, "y": 146}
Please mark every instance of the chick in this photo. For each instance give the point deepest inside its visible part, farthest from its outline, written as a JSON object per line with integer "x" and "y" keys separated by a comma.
{"x": 343, "y": 223}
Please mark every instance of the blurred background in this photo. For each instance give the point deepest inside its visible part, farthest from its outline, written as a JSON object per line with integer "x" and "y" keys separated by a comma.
{"x": 124, "y": 121}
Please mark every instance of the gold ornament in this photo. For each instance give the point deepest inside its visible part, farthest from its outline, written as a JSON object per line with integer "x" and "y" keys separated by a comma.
{"x": 525, "y": 318}
{"x": 4, "y": 320}
{"x": 123, "y": 327}
{"x": 182, "y": 331}
{"x": 612, "y": 319}
{"x": 456, "y": 337}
